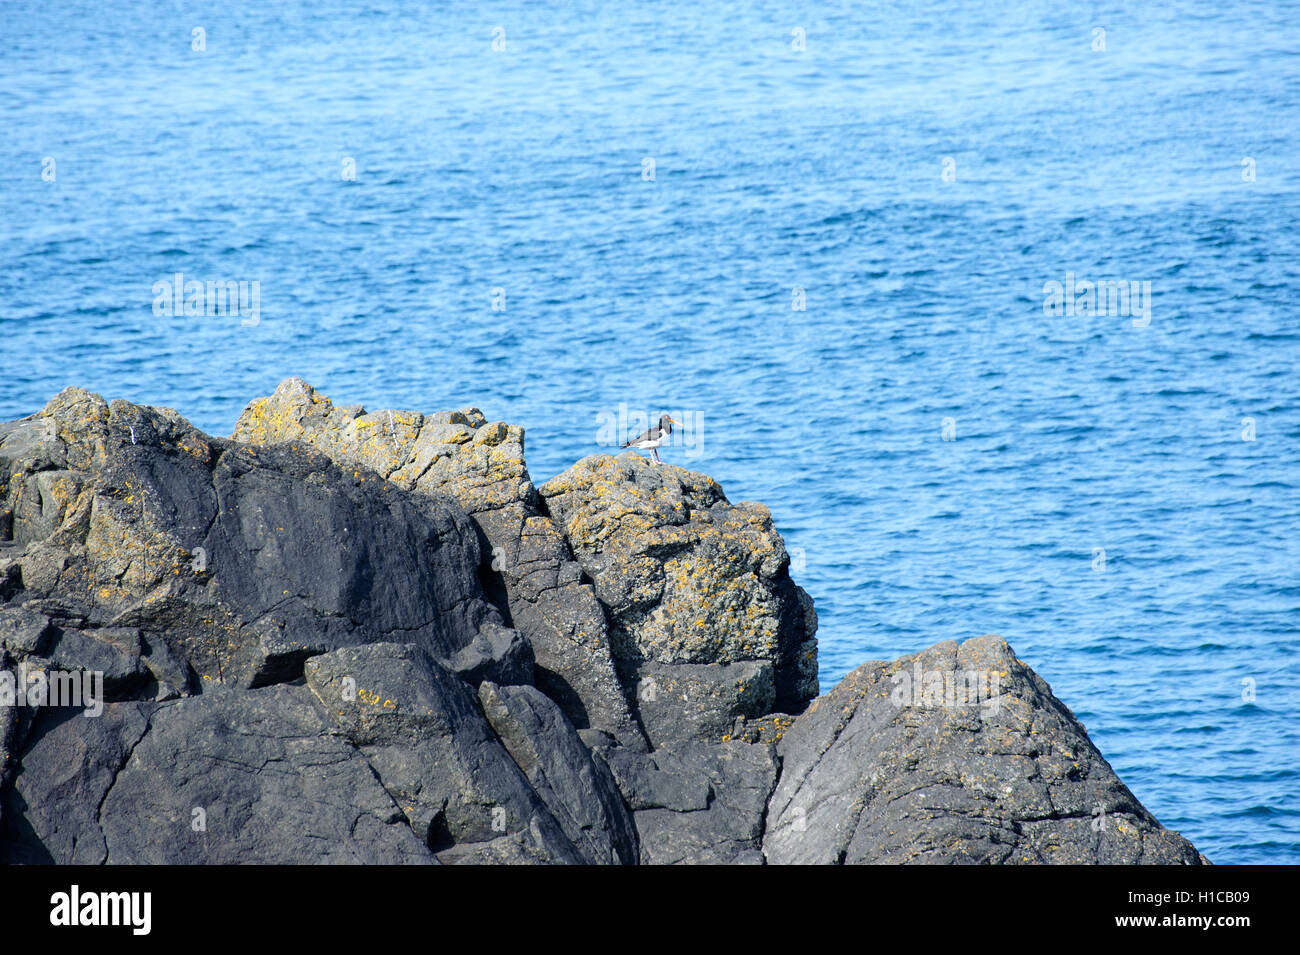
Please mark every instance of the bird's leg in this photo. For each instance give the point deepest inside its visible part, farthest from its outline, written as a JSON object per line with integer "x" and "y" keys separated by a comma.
{"x": 656, "y": 454}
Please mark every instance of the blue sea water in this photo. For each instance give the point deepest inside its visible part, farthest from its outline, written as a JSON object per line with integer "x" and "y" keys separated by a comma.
{"x": 918, "y": 171}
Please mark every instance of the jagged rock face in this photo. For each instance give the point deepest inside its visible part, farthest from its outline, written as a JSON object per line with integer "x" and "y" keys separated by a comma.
{"x": 577, "y": 788}
{"x": 479, "y": 465}
{"x": 166, "y": 557}
{"x": 328, "y": 682}
{"x": 705, "y": 621}
{"x": 198, "y": 577}
{"x": 957, "y": 754}
{"x": 423, "y": 732}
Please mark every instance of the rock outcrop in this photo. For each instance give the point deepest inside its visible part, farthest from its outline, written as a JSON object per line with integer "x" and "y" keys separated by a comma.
{"x": 344, "y": 636}
{"x": 955, "y": 754}
{"x": 706, "y": 623}
{"x": 462, "y": 457}
{"x": 166, "y": 557}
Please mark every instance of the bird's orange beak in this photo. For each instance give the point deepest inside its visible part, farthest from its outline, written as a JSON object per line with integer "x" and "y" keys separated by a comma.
{"x": 674, "y": 421}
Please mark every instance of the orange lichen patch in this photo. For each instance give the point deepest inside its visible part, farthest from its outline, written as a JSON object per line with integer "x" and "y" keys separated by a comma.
{"x": 371, "y": 698}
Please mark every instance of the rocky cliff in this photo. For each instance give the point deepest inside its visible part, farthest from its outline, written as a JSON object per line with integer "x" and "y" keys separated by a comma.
{"x": 342, "y": 636}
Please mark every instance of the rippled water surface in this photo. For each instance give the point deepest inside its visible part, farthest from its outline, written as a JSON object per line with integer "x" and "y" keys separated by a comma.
{"x": 519, "y": 178}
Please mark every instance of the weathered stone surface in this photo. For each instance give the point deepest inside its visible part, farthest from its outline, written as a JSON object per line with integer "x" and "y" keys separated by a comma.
{"x": 236, "y": 563}
{"x": 53, "y": 813}
{"x": 480, "y": 465}
{"x": 645, "y": 786}
{"x": 578, "y": 789}
{"x": 305, "y": 662}
{"x": 497, "y": 653}
{"x": 766, "y": 729}
{"x": 688, "y": 579}
{"x": 24, "y": 632}
{"x": 11, "y": 735}
{"x": 229, "y": 777}
{"x": 699, "y": 700}
{"x": 274, "y": 784}
{"x": 515, "y": 849}
{"x": 593, "y": 738}
{"x": 114, "y": 654}
{"x": 872, "y": 773}
{"x": 422, "y": 731}
{"x": 696, "y": 802}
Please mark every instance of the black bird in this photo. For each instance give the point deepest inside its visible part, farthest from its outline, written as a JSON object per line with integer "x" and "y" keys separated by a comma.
{"x": 655, "y": 438}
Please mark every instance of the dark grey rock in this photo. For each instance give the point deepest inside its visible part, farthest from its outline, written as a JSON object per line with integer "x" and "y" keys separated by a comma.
{"x": 290, "y": 641}
{"x": 231, "y": 777}
{"x": 172, "y": 675}
{"x": 24, "y": 632}
{"x": 424, "y": 734}
{"x": 645, "y": 786}
{"x": 251, "y": 777}
{"x": 461, "y": 456}
{"x": 242, "y": 561}
{"x": 111, "y": 653}
{"x": 54, "y": 810}
{"x": 688, "y": 578}
{"x": 518, "y": 848}
{"x": 872, "y": 773}
{"x": 11, "y": 560}
{"x": 765, "y": 729}
{"x": 499, "y": 654}
{"x": 548, "y": 598}
{"x": 701, "y": 803}
{"x": 579, "y": 791}
{"x": 596, "y": 739}
{"x": 10, "y": 746}
{"x": 699, "y": 700}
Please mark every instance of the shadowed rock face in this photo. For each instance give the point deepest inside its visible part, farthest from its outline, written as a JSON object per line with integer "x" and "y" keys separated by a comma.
{"x": 578, "y": 788}
{"x": 316, "y": 644}
{"x": 421, "y": 729}
{"x": 176, "y": 564}
{"x": 462, "y": 457}
{"x": 232, "y": 564}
